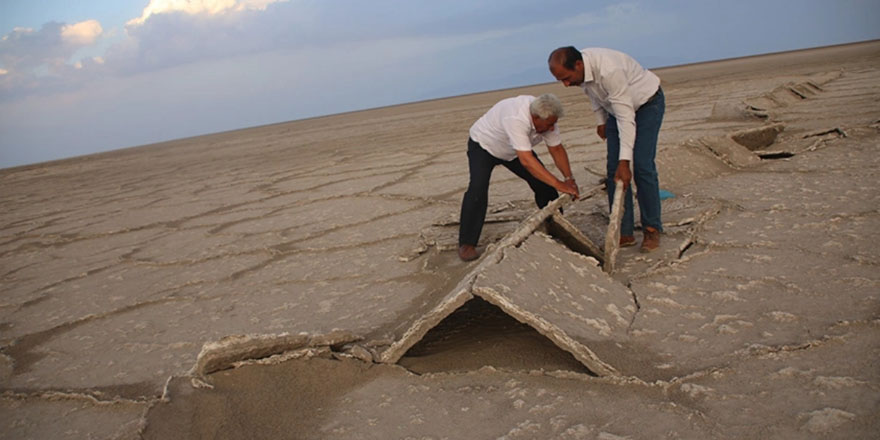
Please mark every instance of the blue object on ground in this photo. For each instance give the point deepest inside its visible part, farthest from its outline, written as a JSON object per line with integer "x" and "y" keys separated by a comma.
{"x": 666, "y": 194}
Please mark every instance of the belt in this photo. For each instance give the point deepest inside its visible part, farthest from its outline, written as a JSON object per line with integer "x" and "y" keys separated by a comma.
{"x": 653, "y": 97}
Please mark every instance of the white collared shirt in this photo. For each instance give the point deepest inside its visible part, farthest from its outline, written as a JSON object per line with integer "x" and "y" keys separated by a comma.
{"x": 507, "y": 128}
{"x": 617, "y": 85}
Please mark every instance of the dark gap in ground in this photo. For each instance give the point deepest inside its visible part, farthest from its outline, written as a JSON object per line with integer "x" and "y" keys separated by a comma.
{"x": 685, "y": 249}
{"x": 480, "y": 334}
{"x": 23, "y": 350}
{"x": 573, "y": 244}
{"x": 779, "y": 155}
{"x": 797, "y": 93}
{"x": 294, "y": 399}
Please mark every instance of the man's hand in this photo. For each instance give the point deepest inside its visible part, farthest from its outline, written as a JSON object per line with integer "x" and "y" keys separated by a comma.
{"x": 569, "y": 187}
{"x": 531, "y": 163}
{"x": 600, "y": 130}
{"x": 623, "y": 173}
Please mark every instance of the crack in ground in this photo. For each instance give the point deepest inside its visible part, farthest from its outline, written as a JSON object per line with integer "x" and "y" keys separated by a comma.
{"x": 635, "y": 315}
{"x": 92, "y": 395}
{"x": 45, "y": 291}
{"x": 20, "y": 349}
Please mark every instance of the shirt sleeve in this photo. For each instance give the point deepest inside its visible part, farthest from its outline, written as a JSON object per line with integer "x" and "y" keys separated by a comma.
{"x": 601, "y": 114}
{"x": 552, "y": 138}
{"x": 620, "y": 99}
{"x": 518, "y": 134}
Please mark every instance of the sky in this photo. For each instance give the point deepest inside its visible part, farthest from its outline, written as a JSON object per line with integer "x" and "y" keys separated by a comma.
{"x": 79, "y": 77}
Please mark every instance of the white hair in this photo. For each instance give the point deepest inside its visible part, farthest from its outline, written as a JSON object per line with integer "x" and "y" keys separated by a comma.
{"x": 546, "y": 106}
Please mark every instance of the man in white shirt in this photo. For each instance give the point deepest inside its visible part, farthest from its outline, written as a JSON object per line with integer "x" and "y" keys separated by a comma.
{"x": 505, "y": 136}
{"x": 629, "y": 103}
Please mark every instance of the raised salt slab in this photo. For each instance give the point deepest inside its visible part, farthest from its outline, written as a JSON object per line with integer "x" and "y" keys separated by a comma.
{"x": 612, "y": 236}
{"x": 563, "y": 295}
{"x": 538, "y": 281}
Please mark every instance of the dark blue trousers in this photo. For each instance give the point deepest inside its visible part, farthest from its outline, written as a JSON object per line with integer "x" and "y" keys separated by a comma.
{"x": 476, "y": 199}
{"x": 648, "y": 119}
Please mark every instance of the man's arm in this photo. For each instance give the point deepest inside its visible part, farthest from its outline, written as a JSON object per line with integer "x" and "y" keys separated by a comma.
{"x": 621, "y": 103}
{"x": 534, "y": 167}
{"x": 560, "y": 158}
{"x": 619, "y": 95}
{"x": 623, "y": 173}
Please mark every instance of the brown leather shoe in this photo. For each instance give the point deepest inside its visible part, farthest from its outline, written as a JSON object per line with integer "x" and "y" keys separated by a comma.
{"x": 468, "y": 253}
{"x": 651, "y": 239}
{"x": 627, "y": 241}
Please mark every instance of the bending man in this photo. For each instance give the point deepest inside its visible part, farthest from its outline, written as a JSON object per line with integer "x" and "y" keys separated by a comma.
{"x": 629, "y": 104}
{"x": 505, "y": 136}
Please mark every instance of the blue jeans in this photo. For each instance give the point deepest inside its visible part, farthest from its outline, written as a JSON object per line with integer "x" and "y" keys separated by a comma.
{"x": 648, "y": 119}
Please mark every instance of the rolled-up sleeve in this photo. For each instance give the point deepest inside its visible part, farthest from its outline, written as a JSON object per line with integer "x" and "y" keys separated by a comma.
{"x": 552, "y": 138}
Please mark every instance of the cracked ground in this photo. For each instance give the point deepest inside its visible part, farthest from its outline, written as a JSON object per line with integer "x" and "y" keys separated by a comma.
{"x": 757, "y": 318}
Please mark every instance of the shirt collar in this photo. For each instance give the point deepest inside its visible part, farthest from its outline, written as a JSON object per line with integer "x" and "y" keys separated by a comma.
{"x": 588, "y": 71}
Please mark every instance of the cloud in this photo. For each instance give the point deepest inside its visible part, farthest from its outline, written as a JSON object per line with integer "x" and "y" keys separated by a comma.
{"x": 83, "y": 33}
{"x": 392, "y": 34}
{"x": 26, "y": 49}
{"x": 40, "y": 61}
{"x": 172, "y": 33}
{"x": 61, "y": 56}
{"x": 176, "y": 32}
{"x": 193, "y": 7}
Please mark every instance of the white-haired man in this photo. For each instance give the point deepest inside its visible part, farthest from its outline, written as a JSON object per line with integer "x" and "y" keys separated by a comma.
{"x": 505, "y": 135}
